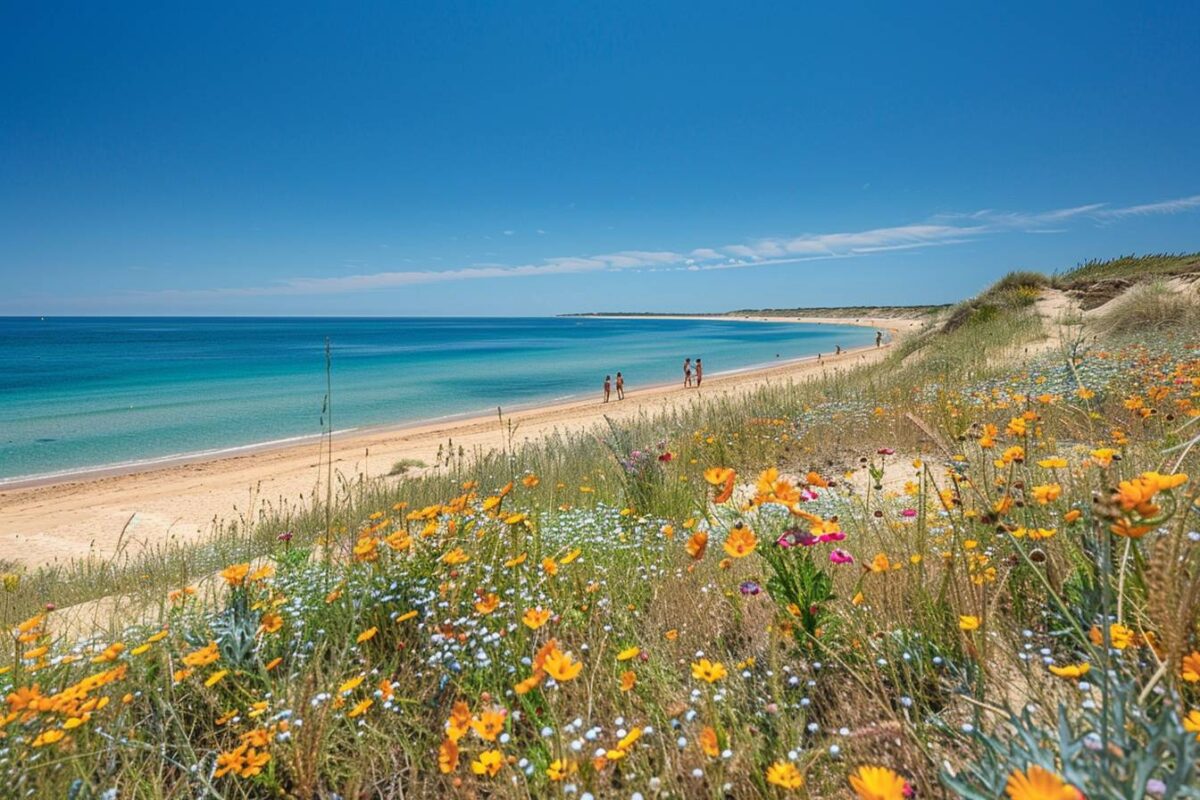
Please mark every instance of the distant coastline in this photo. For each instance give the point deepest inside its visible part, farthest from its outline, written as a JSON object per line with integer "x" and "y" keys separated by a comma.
{"x": 842, "y": 314}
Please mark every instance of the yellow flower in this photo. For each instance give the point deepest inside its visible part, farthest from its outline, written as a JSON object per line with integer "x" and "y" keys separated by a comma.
{"x": 740, "y": 542}
{"x": 1121, "y": 636}
{"x": 1191, "y": 723}
{"x": 1071, "y": 670}
{"x": 559, "y": 769}
{"x": 561, "y": 666}
{"x": 1047, "y": 493}
{"x": 708, "y": 671}
{"x": 350, "y": 685}
{"x": 785, "y": 775}
{"x": 628, "y": 653}
{"x": 488, "y": 763}
{"x": 1054, "y": 462}
{"x": 880, "y": 563}
{"x": 878, "y": 783}
{"x": 456, "y": 556}
{"x": 1190, "y": 668}
{"x": 367, "y": 635}
{"x": 1039, "y": 784}
{"x": 968, "y": 622}
{"x": 360, "y": 708}
{"x": 216, "y": 677}
{"x": 48, "y": 737}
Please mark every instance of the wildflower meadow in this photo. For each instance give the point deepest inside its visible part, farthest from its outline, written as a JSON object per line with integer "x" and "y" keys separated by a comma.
{"x": 971, "y": 570}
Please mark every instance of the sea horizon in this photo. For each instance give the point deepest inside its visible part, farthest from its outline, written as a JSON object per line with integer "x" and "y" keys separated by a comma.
{"x": 92, "y": 395}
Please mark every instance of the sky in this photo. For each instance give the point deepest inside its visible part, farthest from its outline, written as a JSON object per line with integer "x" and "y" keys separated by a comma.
{"x": 527, "y": 159}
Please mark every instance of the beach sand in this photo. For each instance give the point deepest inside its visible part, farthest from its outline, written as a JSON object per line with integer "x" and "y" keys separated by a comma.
{"x": 71, "y": 519}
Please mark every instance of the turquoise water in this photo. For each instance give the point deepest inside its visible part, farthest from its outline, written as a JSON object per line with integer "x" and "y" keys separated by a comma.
{"x": 79, "y": 393}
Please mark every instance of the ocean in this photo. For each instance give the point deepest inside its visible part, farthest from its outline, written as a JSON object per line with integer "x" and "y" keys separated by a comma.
{"x": 88, "y": 392}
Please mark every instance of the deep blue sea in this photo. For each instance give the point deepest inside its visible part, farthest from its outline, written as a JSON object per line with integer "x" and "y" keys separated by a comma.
{"x": 78, "y": 393}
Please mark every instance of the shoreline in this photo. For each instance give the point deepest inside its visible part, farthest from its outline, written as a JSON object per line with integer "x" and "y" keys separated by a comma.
{"x": 81, "y": 514}
{"x": 151, "y": 463}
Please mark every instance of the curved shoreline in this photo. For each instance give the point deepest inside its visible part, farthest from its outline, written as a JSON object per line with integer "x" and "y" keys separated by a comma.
{"x": 61, "y": 518}
{"x": 151, "y": 463}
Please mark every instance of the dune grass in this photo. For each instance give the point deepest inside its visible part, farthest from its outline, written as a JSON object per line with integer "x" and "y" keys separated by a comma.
{"x": 929, "y": 574}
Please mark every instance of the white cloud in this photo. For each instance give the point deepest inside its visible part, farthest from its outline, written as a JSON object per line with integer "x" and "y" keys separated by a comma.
{"x": 942, "y": 230}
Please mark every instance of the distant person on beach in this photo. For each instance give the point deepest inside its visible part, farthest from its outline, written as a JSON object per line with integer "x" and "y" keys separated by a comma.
{"x": 620, "y": 387}
{"x": 699, "y": 373}
{"x": 607, "y": 387}
{"x": 687, "y": 372}
{"x": 878, "y": 338}
{"x": 839, "y": 350}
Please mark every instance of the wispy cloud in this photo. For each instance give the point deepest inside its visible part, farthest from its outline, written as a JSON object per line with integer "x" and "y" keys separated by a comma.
{"x": 940, "y": 231}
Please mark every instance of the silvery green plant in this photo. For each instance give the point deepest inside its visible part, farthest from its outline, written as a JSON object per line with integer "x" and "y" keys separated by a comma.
{"x": 1116, "y": 749}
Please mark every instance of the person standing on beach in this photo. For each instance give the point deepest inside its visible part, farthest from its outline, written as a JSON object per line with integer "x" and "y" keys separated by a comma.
{"x": 687, "y": 372}
{"x": 620, "y": 387}
{"x": 607, "y": 387}
{"x": 878, "y": 338}
{"x": 699, "y": 373}
{"x": 839, "y": 350}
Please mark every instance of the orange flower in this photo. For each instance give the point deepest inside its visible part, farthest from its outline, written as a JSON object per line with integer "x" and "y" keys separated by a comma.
{"x": 708, "y": 742}
{"x": 1047, "y": 493}
{"x": 721, "y": 477}
{"x": 697, "y": 544}
{"x": 785, "y": 775}
{"x": 487, "y": 604}
{"x": 1190, "y": 667}
{"x": 628, "y": 680}
{"x": 878, "y": 783}
{"x": 1039, "y": 784}
{"x": 561, "y": 666}
{"x": 535, "y": 617}
{"x": 236, "y": 574}
{"x": 489, "y": 725}
{"x": 740, "y": 542}
{"x": 448, "y": 756}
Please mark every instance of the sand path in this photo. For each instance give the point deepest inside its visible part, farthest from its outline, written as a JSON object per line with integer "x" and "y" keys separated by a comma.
{"x": 68, "y": 520}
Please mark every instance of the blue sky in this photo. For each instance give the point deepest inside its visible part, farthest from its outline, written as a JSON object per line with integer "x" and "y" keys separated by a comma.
{"x": 513, "y": 158}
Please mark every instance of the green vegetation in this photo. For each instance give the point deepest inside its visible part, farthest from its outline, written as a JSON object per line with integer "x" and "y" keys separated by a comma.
{"x": 1131, "y": 267}
{"x": 405, "y": 464}
{"x": 961, "y": 570}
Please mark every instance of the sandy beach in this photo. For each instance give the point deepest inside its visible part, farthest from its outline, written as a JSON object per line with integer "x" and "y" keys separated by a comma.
{"x": 91, "y": 516}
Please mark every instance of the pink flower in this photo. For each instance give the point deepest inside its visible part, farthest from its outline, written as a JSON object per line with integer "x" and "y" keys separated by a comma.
{"x": 908, "y": 512}
{"x": 833, "y": 536}
{"x": 885, "y": 451}
{"x": 839, "y": 556}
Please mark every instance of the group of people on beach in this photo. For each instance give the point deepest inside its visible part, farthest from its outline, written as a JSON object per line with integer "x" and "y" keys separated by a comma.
{"x": 608, "y": 387}
{"x": 689, "y": 370}
{"x": 696, "y": 369}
